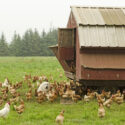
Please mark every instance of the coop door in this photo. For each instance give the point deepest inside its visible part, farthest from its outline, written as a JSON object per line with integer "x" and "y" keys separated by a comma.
{"x": 66, "y": 43}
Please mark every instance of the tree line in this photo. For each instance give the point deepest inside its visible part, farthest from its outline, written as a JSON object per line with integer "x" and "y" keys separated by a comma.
{"x": 32, "y": 43}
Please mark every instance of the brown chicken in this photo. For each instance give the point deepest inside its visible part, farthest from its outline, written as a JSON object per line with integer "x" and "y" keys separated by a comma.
{"x": 13, "y": 90}
{"x": 69, "y": 92}
{"x": 4, "y": 90}
{"x": 108, "y": 102}
{"x": 14, "y": 100}
{"x": 35, "y": 78}
{"x": 28, "y": 77}
{"x": 91, "y": 95}
{"x": 75, "y": 98}
{"x": 5, "y": 96}
{"x": 29, "y": 84}
{"x": 100, "y": 99}
{"x": 20, "y": 108}
{"x": 41, "y": 97}
{"x": 118, "y": 99}
{"x": 118, "y": 94}
{"x": 18, "y": 84}
{"x": 106, "y": 94}
{"x": 60, "y": 118}
{"x": 52, "y": 96}
{"x": 29, "y": 94}
{"x": 101, "y": 110}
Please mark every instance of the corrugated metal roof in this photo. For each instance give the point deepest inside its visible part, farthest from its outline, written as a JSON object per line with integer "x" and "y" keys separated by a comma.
{"x": 103, "y": 61}
{"x": 100, "y": 26}
{"x": 102, "y": 36}
{"x": 99, "y": 15}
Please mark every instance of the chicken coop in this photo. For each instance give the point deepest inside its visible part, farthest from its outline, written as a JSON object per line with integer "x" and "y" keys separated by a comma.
{"x": 91, "y": 49}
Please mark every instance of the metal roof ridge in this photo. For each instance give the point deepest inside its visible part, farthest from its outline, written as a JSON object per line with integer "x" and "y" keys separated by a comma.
{"x": 108, "y": 7}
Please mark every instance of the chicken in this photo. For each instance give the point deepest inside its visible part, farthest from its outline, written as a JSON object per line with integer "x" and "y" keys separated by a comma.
{"x": 29, "y": 84}
{"x": 60, "y": 118}
{"x": 100, "y": 99}
{"x": 13, "y": 93}
{"x": 61, "y": 90}
{"x": 108, "y": 102}
{"x": 91, "y": 94}
{"x": 118, "y": 93}
{"x": 101, "y": 110}
{"x": 5, "y": 96}
{"x": 41, "y": 97}
{"x": 118, "y": 99}
{"x": 69, "y": 92}
{"x": 5, "y": 111}
{"x": 4, "y": 90}
{"x": 43, "y": 78}
{"x": 6, "y": 83}
{"x": 12, "y": 90}
{"x": 14, "y": 100}
{"x": 106, "y": 94}
{"x": 87, "y": 98}
{"x": 52, "y": 96}
{"x": 20, "y": 108}
{"x": 27, "y": 77}
{"x": 75, "y": 98}
{"x": 29, "y": 95}
{"x": 35, "y": 78}
{"x": 18, "y": 85}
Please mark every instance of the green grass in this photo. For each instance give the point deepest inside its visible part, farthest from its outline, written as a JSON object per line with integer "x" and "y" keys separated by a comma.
{"x": 44, "y": 114}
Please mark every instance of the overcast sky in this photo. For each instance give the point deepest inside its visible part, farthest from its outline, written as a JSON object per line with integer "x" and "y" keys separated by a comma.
{"x": 19, "y": 15}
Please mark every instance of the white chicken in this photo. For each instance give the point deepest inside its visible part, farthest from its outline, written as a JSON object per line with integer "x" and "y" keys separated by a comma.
{"x": 6, "y": 83}
{"x": 5, "y": 111}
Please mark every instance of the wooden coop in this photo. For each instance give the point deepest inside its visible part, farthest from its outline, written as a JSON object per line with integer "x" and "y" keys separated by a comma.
{"x": 91, "y": 49}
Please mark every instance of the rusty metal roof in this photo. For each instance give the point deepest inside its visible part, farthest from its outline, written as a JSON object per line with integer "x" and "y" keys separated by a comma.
{"x": 100, "y": 26}
{"x": 99, "y": 15}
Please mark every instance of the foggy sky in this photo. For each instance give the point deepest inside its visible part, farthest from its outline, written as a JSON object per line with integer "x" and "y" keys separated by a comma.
{"x": 19, "y": 15}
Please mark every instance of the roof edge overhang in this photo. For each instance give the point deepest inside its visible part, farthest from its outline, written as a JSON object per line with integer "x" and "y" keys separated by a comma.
{"x": 94, "y": 68}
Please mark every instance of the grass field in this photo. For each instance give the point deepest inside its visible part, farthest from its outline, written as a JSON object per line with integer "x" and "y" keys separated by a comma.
{"x": 80, "y": 113}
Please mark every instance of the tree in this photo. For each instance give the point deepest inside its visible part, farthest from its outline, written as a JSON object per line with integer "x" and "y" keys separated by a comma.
{"x": 4, "y": 51}
{"x": 32, "y": 43}
{"x": 43, "y": 33}
{"x": 15, "y": 46}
